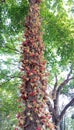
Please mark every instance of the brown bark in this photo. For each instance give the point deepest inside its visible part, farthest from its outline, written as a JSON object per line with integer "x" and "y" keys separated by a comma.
{"x": 34, "y": 1}
{"x": 55, "y": 87}
{"x": 34, "y": 78}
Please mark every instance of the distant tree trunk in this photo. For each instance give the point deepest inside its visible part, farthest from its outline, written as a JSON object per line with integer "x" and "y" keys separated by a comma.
{"x": 61, "y": 125}
{"x": 64, "y": 124}
{"x": 34, "y": 79}
{"x": 56, "y": 115}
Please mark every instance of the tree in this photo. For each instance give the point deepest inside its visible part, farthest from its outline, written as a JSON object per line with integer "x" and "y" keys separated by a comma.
{"x": 34, "y": 78}
{"x": 57, "y": 89}
{"x": 11, "y": 37}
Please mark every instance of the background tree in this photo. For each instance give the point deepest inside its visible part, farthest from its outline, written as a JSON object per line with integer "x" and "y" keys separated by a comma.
{"x": 57, "y": 116}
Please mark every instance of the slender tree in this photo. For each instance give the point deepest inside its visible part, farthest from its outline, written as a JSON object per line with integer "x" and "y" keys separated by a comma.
{"x": 34, "y": 78}
{"x": 56, "y": 115}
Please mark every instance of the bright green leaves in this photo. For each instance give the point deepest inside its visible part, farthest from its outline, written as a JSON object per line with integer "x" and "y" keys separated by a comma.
{"x": 8, "y": 106}
{"x": 9, "y": 82}
{"x": 11, "y": 20}
{"x": 58, "y": 32}
{"x": 14, "y": 13}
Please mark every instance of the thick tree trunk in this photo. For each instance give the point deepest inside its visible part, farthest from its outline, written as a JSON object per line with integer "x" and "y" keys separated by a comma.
{"x": 34, "y": 79}
{"x": 31, "y": 61}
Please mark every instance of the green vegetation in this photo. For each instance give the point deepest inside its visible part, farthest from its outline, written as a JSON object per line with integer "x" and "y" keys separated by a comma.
{"x": 58, "y": 36}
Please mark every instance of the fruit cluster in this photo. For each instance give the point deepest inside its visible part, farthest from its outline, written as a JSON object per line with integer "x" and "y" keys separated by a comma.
{"x": 34, "y": 78}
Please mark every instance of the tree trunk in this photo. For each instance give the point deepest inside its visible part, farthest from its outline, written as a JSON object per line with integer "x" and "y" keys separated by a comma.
{"x": 57, "y": 124}
{"x": 56, "y": 116}
{"x": 34, "y": 79}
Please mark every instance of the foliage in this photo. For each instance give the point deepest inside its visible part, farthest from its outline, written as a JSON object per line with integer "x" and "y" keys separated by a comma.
{"x": 68, "y": 87}
{"x": 58, "y": 35}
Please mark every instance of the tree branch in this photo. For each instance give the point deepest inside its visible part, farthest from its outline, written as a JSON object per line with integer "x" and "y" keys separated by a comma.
{"x": 55, "y": 86}
{"x": 69, "y": 72}
{"x": 65, "y": 81}
{"x": 14, "y": 49}
{"x": 51, "y": 109}
{"x": 66, "y": 107}
{"x": 9, "y": 79}
{"x": 63, "y": 84}
{"x": 58, "y": 91}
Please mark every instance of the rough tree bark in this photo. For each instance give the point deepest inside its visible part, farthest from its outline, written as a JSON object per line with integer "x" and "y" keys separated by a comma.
{"x": 34, "y": 79}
